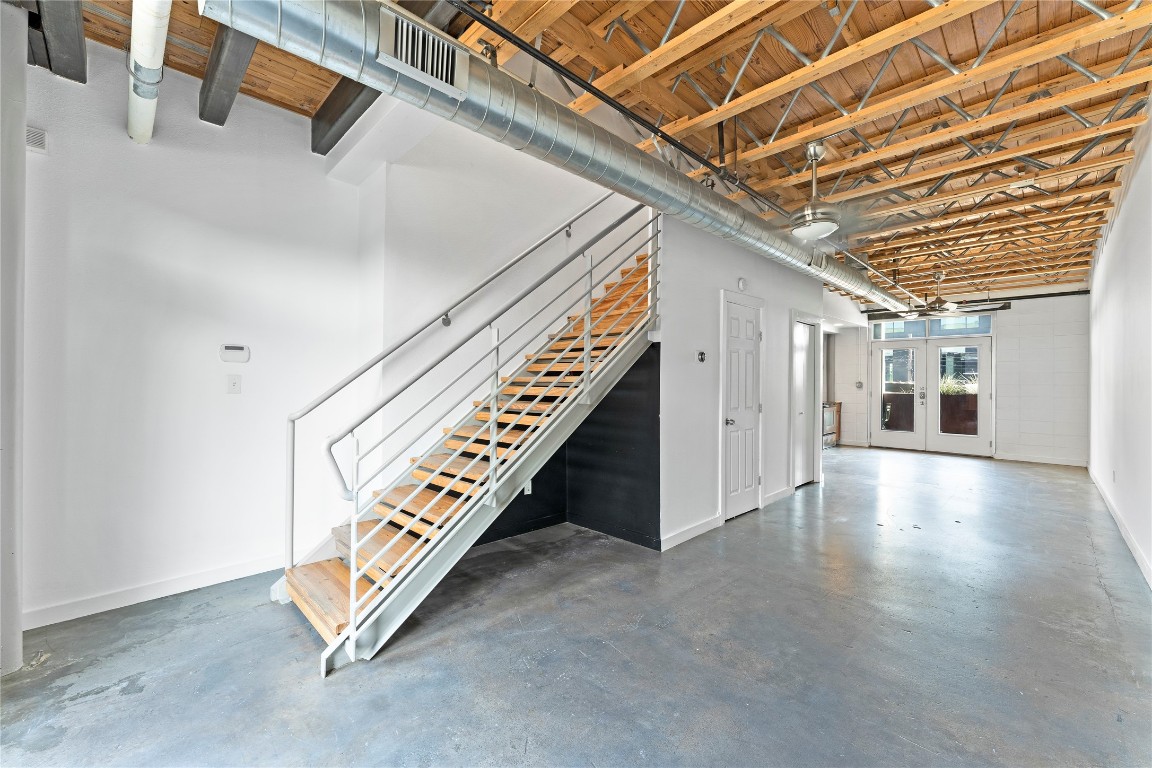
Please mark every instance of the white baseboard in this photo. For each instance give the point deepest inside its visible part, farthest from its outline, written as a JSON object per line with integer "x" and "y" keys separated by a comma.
{"x": 86, "y": 606}
{"x": 690, "y": 532}
{"x": 1040, "y": 459}
{"x": 853, "y": 443}
{"x": 775, "y": 496}
{"x": 1140, "y": 557}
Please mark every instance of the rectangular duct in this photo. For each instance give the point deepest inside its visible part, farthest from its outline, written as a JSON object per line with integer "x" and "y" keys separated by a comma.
{"x": 422, "y": 54}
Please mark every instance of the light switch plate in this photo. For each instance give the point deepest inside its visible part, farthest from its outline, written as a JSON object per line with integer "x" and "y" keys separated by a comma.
{"x": 232, "y": 383}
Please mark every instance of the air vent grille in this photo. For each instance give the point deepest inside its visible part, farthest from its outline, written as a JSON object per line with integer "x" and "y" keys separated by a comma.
{"x": 423, "y": 54}
{"x": 420, "y": 50}
{"x": 36, "y": 139}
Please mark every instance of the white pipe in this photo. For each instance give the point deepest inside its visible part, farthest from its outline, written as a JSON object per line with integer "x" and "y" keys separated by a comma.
{"x": 146, "y": 69}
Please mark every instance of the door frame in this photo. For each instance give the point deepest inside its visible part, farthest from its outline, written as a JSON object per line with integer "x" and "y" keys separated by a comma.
{"x": 815, "y": 408}
{"x": 758, "y": 304}
{"x": 872, "y": 373}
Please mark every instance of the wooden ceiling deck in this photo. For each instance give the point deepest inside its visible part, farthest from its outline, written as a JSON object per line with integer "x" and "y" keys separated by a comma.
{"x": 982, "y": 138}
{"x": 274, "y": 76}
{"x": 959, "y": 141}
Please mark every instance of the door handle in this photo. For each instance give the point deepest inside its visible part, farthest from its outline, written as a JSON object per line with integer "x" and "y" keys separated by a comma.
{"x": 729, "y": 422}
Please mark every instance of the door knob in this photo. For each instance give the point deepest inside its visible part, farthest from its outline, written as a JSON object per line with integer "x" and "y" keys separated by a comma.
{"x": 729, "y": 422}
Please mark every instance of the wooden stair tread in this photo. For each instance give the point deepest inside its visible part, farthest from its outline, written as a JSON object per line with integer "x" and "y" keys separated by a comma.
{"x": 519, "y": 406}
{"x": 482, "y": 432}
{"x": 320, "y": 591}
{"x": 424, "y": 505}
{"x": 444, "y": 464}
{"x": 401, "y": 552}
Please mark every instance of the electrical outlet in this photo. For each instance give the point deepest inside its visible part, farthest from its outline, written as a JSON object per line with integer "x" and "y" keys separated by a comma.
{"x": 232, "y": 384}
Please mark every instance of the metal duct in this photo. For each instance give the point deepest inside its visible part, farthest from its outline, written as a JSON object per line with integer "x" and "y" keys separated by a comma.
{"x": 344, "y": 36}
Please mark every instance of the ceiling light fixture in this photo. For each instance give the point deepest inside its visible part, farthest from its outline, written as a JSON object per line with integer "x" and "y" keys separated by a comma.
{"x": 816, "y": 219}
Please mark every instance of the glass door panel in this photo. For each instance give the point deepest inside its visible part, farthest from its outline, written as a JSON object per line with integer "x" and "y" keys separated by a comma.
{"x": 959, "y": 390}
{"x": 960, "y": 402}
{"x": 897, "y": 394}
{"x": 898, "y": 409}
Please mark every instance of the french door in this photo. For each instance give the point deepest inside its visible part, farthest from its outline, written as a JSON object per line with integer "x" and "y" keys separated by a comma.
{"x": 933, "y": 395}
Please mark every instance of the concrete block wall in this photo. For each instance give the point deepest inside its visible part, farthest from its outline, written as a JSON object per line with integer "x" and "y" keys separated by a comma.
{"x": 1042, "y": 357}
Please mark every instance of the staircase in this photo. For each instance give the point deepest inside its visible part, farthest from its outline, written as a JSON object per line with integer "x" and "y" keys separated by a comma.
{"x": 403, "y": 537}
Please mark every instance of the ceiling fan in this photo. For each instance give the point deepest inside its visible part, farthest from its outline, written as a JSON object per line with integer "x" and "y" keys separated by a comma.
{"x": 941, "y": 307}
{"x": 817, "y": 219}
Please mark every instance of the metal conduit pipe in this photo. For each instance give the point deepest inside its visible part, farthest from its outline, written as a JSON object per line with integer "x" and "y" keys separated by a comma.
{"x": 343, "y": 36}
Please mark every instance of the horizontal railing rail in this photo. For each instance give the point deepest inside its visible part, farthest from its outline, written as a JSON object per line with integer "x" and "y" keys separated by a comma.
{"x": 492, "y": 432}
{"x": 443, "y": 316}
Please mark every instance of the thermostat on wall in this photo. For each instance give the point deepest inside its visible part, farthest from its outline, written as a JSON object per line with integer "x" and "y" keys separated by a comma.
{"x": 235, "y": 353}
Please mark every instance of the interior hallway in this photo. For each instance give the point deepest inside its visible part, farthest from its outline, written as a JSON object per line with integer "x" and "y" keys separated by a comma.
{"x": 915, "y": 610}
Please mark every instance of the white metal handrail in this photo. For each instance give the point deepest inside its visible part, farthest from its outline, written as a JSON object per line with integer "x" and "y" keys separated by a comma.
{"x": 444, "y": 315}
{"x": 634, "y": 310}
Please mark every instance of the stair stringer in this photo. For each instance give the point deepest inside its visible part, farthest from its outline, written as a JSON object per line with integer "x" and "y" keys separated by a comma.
{"x": 412, "y": 586}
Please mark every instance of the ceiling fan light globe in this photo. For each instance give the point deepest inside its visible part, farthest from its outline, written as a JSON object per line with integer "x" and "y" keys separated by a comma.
{"x": 815, "y": 221}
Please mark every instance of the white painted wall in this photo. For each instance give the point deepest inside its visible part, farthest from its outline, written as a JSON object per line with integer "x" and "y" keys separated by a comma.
{"x": 851, "y": 366}
{"x": 13, "y": 90}
{"x": 696, "y": 267}
{"x": 142, "y": 476}
{"x": 1121, "y": 362}
{"x": 1041, "y": 352}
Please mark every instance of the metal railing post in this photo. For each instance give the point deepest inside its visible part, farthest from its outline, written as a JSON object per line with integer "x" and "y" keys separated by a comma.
{"x": 493, "y": 428}
{"x": 353, "y": 547}
{"x": 586, "y": 397}
{"x": 290, "y": 500}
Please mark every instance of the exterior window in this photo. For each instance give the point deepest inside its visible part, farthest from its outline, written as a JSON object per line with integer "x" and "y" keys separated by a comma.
{"x": 899, "y": 329}
{"x": 968, "y": 325}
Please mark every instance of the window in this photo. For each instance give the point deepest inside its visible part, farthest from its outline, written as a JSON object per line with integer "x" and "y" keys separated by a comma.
{"x": 899, "y": 329}
{"x": 967, "y": 325}
{"x": 964, "y": 325}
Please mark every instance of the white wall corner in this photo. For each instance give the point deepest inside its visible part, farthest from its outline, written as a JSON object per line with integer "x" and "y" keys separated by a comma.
{"x": 385, "y": 133}
{"x": 690, "y": 532}
{"x": 1139, "y": 553}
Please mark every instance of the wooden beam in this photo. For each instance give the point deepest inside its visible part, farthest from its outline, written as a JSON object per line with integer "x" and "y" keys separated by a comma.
{"x": 936, "y": 86}
{"x": 982, "y": 163}
{"x": 922, "y": 279}
{"x": 625, "y": 10}
{"x": 1009, "y": 222}
{"x": 508, "y": 13}
{"x": 924, "y": 286}
{"x": 227, "y": 62}
{"x": 1001, "y": 185}
{"x": 1011, "y": 205}
{"x": 945, "y": 245}
{"x": 983, "y": 280}
{"x": 691, "y": 40}
{"x": 881, "y": 42}
{"x": 540, "y": 20}
{"x": 996, "y": 120}
{"x": 595, "y": 50}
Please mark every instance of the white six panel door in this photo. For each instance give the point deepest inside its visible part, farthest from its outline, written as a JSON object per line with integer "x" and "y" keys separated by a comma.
{"x": 741, "y": 409}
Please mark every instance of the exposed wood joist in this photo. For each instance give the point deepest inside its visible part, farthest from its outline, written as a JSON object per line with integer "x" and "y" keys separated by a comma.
{"x": 686, "y": 43}
{"x": 1023, "y": 204}
{"x": 995, "y": 261}
{"x": 1040, "y": 150}
{"x": 951, "y": 247}
{"x": 1073, "y": 169}
{"x": 933, "y": 18}
{"x": 994, "y": 225}
{"x": 537, "y": 22}
{"x": 227, "y": 62}
{"x": 937, "y": 86}
{"x": 622, "y": 10}
{"x": 62, "y": 22}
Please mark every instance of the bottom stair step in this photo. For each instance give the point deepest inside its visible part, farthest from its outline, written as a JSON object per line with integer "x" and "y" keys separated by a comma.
{"x": 320, "y": 591}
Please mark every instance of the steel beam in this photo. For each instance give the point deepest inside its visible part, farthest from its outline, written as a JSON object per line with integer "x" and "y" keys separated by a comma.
{"x": 227, "y": 63}
{"x": 63, "y": 25}
{"x": 343, "y": 107}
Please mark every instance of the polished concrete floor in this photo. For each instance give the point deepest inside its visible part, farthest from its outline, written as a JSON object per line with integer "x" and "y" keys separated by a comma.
{"x": 915, "y": 610}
